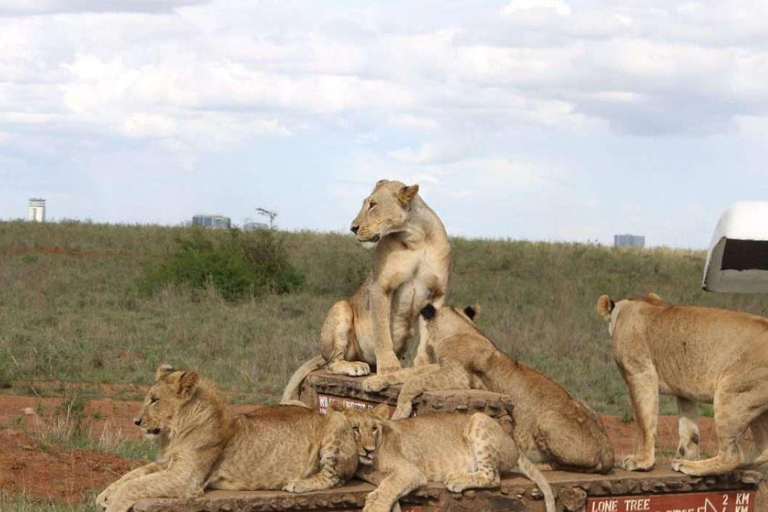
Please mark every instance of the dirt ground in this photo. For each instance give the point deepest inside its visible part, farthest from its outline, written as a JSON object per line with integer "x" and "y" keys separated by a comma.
{"x": 70, "y": 475}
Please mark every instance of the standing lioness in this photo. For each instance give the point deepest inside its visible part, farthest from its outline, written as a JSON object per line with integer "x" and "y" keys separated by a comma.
{"x": 205, "y": 445}
{"x": 698, "y": 355}
{"x": 411, "y": 266}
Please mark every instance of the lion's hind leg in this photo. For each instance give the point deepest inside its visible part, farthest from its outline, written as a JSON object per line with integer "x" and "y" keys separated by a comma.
{"x": 336, "y": 336}
{"x": 487, "y": 442}
{"x": 759, "y": 428}
{"x": 738, "y": 403}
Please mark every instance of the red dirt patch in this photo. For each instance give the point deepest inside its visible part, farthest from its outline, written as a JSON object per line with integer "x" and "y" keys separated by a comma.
{"x": 54, "y": 473}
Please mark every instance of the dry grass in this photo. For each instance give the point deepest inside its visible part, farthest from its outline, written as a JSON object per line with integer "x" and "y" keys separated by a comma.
{"x": 21, "y": 503}
{"x": 71, "y": 308}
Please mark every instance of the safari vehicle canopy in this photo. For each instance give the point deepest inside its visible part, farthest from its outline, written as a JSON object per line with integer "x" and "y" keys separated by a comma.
{"x": 738, "y": 254}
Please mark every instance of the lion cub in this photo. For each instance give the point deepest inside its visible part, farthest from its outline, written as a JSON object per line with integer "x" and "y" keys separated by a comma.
{"x": 459, "y": 450}
{"x": 697, "y": 355}
{"x": 205, "y": 445}
{"x": 550, "y": 426}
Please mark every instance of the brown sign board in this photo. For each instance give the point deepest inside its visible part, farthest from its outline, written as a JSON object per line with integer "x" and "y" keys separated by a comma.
{"x": 726, "y": 501}
{"x": 324, "y": 401}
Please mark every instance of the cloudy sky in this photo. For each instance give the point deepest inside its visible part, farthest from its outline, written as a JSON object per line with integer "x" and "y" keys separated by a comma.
{"x": 528, "y": 119}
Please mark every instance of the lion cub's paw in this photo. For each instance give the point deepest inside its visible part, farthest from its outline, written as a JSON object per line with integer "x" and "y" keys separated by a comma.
{"x": 404, "y": 410}
{"x": 375, "y": 384}
{"x": 299, "y": 485}
{"x": 455, "y": 482}
{"x": 373, "y": 503}
{"x": 633, "y": 463}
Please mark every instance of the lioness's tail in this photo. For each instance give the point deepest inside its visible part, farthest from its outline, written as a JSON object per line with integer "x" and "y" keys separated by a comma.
{"x": 532, "y": 472}
{"x": 298, "y": 377}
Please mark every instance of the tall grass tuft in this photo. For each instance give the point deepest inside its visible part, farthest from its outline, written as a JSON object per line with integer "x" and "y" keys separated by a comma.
{"x": 238, "y": 266}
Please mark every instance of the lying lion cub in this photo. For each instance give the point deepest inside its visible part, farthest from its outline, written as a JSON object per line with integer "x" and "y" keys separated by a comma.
{"x": 204, "y": 445}
{"x": 550, "y": 426}
{"x": 698, "y": 355}
{"x": 459, "y": 450}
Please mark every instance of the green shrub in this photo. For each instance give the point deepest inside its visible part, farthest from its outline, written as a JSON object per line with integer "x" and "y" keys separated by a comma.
{"x": 237, "y": 266}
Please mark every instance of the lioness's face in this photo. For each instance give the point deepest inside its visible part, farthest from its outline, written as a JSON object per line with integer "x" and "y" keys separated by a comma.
{"x": 385, "y": 211}
{"x": 170, "y": 392}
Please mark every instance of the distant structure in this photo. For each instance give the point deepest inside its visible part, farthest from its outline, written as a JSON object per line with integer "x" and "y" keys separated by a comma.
{"x": 627, "y": 240}
{"x": 250, "y": 225}
{"x": 211, "y": 221}
{"x": 36, "y": 211}
{"x": 268, "y": 213}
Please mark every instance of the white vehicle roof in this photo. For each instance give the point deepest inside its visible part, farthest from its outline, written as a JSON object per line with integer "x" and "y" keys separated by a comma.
{"x": 737, "y": 260}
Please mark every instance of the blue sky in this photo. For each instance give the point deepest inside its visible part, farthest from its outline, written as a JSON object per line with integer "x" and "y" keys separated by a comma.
{"x": 529, "y": 119}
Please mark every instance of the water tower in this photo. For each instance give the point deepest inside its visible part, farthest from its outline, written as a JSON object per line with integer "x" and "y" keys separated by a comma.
{"x": 36, "y": 212}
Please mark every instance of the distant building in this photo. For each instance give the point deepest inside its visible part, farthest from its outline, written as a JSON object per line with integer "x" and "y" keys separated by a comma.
{"x": 211, "y": 221}
{"x": 250, "y": 225}
{"x": 36, "y": 210}
{"x": 627, "y": 240}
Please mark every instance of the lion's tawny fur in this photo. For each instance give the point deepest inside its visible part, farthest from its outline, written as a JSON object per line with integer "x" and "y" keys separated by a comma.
{"x": 411, "y": 266}
{"x": 697, "y": 355}
{"x": 203, "y": 444}
{"x": 461, "y": 451}
{"x": 550, "y": 425}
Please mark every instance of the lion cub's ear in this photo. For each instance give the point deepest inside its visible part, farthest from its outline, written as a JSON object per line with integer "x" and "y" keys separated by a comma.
{"x": 188, "y": 383}
{"x": 605, "y": 306}
{"x": 655, "y": 296}
{"x": 473, "y": 311}
{"x": 163, "y": 370}
{"x": 381, "y": 411}
{"x": 406, "y": 194}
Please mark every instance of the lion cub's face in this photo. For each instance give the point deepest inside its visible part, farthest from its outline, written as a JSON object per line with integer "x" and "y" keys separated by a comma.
{"x": 385, "y": 211}
{"x": 368, "y": 429}
{"x": 448, "y": 321}
{"x": 171, "y": 390}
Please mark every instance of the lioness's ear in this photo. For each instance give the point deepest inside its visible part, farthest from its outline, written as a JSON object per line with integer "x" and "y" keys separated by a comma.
{"x": 163, "y": 370}
{"x": 473, "y": 311}
{"x": 406, "y": 194}
{"x": 188, "y": 382}
{"x": 604, "y": 307}
{"x": 381, "y": 411}
{"x": 380, "y": 183}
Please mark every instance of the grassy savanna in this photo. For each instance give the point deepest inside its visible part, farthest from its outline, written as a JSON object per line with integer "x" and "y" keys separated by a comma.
{"x": 75, "y": 307}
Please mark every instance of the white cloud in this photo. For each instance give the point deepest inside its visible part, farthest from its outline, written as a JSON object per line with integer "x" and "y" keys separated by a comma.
{"x": 560, "y": 7}
{"x": 43, "y": 7}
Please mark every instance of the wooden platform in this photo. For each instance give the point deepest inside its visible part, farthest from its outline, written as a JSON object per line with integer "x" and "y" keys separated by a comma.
{"x": 516, "y": 493}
